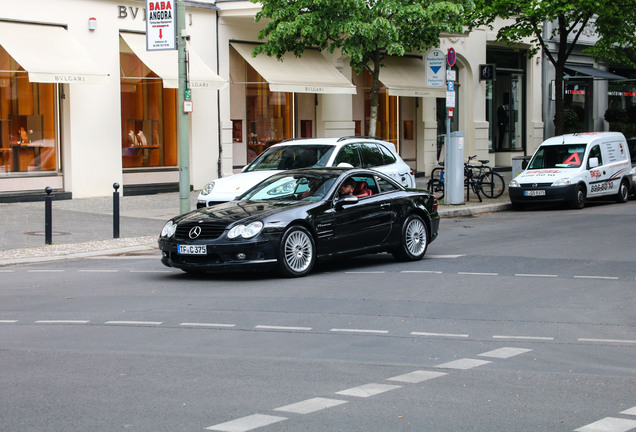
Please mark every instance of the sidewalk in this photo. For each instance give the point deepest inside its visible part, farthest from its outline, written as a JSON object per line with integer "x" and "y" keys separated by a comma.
{"x": 84, "y": 227}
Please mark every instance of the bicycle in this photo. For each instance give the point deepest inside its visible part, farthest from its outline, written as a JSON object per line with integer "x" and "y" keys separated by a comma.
{"x": 481, "y": 178}
{"x": 437, "y": 181}
{"x": 491, "y": 184}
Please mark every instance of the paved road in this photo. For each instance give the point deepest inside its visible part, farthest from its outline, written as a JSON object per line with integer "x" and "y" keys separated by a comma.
{"x": 515, "y": 321}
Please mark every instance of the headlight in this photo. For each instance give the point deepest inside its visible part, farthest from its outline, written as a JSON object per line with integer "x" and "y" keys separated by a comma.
{"x": 169, "y": 229}
{"x": 514, "y": 183}
{"x": 561, "y": 182}
{"x": 246, "y": 232}
{"x": 207, "y": 188}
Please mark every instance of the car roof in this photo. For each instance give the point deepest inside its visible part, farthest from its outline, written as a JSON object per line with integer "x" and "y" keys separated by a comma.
{"x": 333, "y": 141}
{"x": 583, "y": 138}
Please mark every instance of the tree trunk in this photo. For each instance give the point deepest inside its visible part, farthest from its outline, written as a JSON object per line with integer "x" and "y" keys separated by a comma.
{"x": 375, "y": 90}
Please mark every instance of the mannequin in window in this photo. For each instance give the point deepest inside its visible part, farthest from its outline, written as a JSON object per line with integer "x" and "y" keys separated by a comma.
{"x": 503, "y": 117}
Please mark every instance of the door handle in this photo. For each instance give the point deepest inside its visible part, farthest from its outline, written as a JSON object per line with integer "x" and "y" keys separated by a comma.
{"x": 385, "y": 205}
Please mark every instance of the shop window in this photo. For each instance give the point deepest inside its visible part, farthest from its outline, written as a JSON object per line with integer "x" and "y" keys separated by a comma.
{"x": 269, "y": 114}
{"x": 28, "y": 132}
{"x": 148, "y": 117}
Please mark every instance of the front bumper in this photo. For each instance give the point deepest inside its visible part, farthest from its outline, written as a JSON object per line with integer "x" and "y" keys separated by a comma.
{"x": 553, "y": 194}
{"x": 242, "y": 255}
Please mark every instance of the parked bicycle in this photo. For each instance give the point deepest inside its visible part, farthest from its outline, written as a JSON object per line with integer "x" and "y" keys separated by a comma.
{"x": 480, "y": 178}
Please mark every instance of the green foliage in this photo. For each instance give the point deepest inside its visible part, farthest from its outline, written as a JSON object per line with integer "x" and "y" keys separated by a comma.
{"x": 616, "y": 114}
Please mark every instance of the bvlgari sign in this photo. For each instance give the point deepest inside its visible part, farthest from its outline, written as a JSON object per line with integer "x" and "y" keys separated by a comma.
{"x": 161, "y": 24}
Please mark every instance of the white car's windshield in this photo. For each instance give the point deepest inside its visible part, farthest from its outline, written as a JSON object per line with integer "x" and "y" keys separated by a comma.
{"x": 299, "y": 187}
{"x": 558, "y": 156}
{"x": 291, "y": 157}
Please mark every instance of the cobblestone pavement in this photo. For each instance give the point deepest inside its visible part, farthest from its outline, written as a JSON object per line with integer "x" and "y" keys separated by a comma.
{"x": 84, "y": 226}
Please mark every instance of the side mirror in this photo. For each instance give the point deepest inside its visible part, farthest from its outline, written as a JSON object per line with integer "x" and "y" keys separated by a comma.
{"x": 524, "y": 163}
{"x": 347, "y": 200}
{"x": 593, "y": 162}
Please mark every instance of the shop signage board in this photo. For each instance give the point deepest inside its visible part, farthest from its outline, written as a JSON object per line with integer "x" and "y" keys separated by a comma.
{"x": 161, "y": 25}
{"x": 435, "y": 71}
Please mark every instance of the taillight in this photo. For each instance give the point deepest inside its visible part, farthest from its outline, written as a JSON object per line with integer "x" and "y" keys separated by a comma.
{"x": 434, "y": 203}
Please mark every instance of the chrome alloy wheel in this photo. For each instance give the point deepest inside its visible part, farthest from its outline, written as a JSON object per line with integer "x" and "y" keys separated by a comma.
{"x": 415, "y": 237}
{"x": 298, "y": 251}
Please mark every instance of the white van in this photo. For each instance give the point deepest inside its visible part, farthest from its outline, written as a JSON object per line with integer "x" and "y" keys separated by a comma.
{"x": 571, "y": 168}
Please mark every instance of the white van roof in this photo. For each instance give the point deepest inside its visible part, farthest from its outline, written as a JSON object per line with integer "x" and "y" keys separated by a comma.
{"x": 584, "y": 138}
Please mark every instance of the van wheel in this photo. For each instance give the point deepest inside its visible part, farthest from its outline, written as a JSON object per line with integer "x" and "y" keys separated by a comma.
{"x": 623, "y": 193}
{"x": 579, "y": 198}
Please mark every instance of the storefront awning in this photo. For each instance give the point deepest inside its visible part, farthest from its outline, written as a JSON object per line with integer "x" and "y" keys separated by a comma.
{"x": 593, "y": 72}
{"x": 310, "y": 73}
{"x": 50, "y": 54}
{"x": 406, "y": 76}
{"x": 165, "y": 64}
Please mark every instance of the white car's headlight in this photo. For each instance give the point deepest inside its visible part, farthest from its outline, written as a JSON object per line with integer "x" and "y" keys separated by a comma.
{"x": 514, "y": 183}
{"x": 561, "y": 182}
{"x": 244, "y": 231}
{"x": 207, "y": 189}
{"x": 169, "y": 229}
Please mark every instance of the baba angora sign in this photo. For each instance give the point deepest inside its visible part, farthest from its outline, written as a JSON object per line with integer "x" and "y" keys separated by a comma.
{"x": 161, "y": 24}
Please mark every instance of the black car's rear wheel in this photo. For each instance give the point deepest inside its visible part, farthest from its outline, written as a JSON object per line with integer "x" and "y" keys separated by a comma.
{"x": 297, "y": 253}
{"x": 413, "y": 240}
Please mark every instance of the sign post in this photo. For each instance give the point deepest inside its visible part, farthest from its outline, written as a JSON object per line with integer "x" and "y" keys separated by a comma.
{"x": 454, "y": 165}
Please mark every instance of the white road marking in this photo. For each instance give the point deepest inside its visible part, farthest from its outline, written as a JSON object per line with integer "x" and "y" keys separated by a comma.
{"x": 368, "y": 390}
{"x": 247, "y": 423}
{"x": 538, "y": 338}
{"x": 629, "y": 341}
{"x": 609, "y": 424}
{"x": 98, "y": 271}
{"x": 150, "y": 323}
{"x": 439, "y": 334}
{"x": 268, "y": 327}
{"x": 150, "y": 271}
{"x": 463, "y": 364}
{"x": 7, "y": 271}
{"x": 311, "y": 405}
{"x": 536, "y": 275}
{"x": 596, "y": 277}
{"x": 504, "y": 353}
{"x": 359, "y": 331}
{"x": 62, "y": 322}
{"x": 8, "y": 321}
{"x": 422, "y": 271}
{"x": 45, "y": 271}
{"x": 631, "y": 411}
{"x": 206, "y": 325}
{"x": 365, "y": 272}
{"x": 444, "y": 256}
{"x": 477, "y": 274}
{"x": 417, "y": 376}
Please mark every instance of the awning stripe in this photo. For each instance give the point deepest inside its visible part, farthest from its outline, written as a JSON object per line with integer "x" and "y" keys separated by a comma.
{"x": 310, "y": 73}
{"x": 406, "y": 76}
{"x": 165, "y": 64}
{"x": 593, "y": 72}
{"x": 50, "y": 54}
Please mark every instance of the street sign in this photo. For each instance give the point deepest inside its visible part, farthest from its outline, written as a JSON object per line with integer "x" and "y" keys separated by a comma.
{"x": 450, "y": 99}
{"x": 451, "y": 86}
{"x": 435, "y": 72}
{"x": 161, "y": 25}
{"x": 187, "y": 106}
{"x": 187, "y": 95}
{"x": 450, "y": 57}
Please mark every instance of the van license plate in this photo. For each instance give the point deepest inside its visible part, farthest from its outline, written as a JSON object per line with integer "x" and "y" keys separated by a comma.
{"x": 192, "y": 249}
{"x": 534, "y": 193}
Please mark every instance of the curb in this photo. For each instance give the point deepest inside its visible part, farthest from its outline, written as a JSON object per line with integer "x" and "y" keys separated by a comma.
{"x": 451, "y": 211}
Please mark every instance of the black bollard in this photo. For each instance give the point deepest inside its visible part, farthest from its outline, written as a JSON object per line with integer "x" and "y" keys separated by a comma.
{"x": 48, "y": 216}
{"x": 116, "y": 211}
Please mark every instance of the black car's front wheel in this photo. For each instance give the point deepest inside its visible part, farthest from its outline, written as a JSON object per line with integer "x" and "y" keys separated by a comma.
{"x": 413, "y": 239}
{"x": 297, "y": 253}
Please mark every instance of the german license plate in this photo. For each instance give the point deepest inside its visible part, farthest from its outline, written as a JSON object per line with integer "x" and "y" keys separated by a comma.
{"x": 192, "y": 249}
{"x": 534, "y": 193}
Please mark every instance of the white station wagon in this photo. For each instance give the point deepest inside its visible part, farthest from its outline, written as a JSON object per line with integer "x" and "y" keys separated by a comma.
{"x": 358, "y": 152}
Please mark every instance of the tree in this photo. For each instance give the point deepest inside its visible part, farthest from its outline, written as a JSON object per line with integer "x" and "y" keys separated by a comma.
{"x": 365, "y": 30}
{"x": 570, "y": 18}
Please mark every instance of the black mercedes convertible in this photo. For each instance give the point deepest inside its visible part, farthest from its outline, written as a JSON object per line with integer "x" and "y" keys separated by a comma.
{"x": 292, "y": 219}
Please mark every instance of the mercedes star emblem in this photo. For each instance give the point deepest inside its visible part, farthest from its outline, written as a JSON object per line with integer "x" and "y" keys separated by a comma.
{"x": 195, "y": 232}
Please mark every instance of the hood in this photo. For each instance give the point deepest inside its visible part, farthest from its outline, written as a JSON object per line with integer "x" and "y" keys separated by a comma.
{"x": 545, "y": 175}
{"x": 228, "y": 188}
{"x": 233, "y": 211}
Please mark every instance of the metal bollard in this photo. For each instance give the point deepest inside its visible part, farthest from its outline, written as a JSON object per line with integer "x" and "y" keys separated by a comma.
{"x": 48, "y": 217}
{"x": 116, "y": 211}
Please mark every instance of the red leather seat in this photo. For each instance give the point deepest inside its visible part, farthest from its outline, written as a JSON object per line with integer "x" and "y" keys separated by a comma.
{"x": 362, "y": 189}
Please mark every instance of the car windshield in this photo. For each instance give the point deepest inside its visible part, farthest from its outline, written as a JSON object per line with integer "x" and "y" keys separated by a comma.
{"x": 297, "y": 187}
{"x": 558, "y": 156}
{"x": 291, "y": 157}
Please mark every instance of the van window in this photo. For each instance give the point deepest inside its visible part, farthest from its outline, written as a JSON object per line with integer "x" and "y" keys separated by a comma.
{"x": 595, "y": 152}
{"x": 558, "y": 156}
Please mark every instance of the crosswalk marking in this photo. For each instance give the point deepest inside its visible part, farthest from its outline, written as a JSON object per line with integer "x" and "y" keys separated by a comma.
{"x": 609, "y": 424}
{"x": 631, "y": 411}
{"x": 368, "y": 390}
{"x": 463, "y": 364}
{"x": 417, "y": 376}
{"x": 311, "y": 405}
{"x": 504, "y": 353}
{"x": 247, "y": 423}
